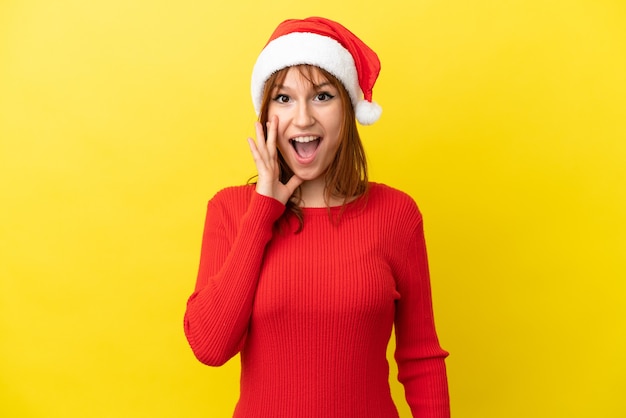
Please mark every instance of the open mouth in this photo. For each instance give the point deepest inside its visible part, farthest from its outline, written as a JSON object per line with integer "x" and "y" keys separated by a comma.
{"x": 305, "y": 146}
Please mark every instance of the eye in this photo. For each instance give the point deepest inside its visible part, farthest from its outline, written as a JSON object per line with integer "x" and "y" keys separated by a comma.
{"x": 323, "y": 96}
{"x": 281, "y": 98}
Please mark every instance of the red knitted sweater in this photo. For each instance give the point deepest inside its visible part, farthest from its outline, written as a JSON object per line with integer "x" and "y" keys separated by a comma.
{"x": 312, "y": 313}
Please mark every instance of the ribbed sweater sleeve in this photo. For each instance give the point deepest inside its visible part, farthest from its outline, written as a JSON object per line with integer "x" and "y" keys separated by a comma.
{"x": 218, "y": 312}
{"x": 420, "y": 358}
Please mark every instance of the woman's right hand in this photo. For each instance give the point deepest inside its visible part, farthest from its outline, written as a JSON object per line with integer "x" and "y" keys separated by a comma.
{"x": 265, "y": 156}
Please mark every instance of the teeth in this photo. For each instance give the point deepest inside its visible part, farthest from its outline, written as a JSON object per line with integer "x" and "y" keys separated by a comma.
{"x": 304, "y": 139}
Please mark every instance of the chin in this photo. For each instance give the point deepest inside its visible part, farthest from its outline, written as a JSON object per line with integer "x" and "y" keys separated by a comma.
{"x": 308, "y": 175}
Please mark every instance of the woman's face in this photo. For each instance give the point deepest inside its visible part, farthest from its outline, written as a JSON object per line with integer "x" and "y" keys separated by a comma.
{"x": 310, "y": 115}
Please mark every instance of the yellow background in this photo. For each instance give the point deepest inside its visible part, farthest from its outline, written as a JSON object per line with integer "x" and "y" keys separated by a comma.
{"x": 119, "y": 119}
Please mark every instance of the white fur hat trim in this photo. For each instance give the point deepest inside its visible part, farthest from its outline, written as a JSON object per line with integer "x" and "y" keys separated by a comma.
{"x": 307, "y": 48}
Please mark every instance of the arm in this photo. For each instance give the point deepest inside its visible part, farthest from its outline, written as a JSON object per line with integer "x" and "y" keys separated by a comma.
{"x": 420, "y": 358}
{"x": 219, "y": 310}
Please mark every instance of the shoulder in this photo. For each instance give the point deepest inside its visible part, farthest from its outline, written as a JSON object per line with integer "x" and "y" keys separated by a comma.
{"x": 233, "y": 198}
{"x": 226, "y": 208}
{"x": 389, "y": 192}
{"x": 234, "y": 193}
{"x": 393, "y": 201}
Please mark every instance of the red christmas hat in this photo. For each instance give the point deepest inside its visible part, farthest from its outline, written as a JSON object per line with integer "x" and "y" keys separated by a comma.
{"x": 328, "y": 45}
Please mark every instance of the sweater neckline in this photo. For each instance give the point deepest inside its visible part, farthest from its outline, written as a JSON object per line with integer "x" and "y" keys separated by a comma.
{"x": 357, "y": 203}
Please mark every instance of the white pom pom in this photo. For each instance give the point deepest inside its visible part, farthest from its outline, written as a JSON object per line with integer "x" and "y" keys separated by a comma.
{"x": 367, "y": 112}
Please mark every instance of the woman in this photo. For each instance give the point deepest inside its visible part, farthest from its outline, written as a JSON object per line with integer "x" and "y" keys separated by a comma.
{"x": 306, "y": 272}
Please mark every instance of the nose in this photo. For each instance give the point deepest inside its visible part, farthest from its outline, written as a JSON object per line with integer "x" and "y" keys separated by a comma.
{"x": 303, "y": 115}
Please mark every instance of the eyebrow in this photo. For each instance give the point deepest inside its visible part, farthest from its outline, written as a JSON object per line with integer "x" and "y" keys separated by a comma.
{"x": 324, "y": 84}
{"x": 315, "y": 86}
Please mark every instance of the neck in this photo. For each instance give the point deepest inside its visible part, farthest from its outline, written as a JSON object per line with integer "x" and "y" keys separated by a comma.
{"x": 312, "y": 193}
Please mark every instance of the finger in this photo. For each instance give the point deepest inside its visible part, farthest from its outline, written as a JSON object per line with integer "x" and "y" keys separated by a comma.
{"x": 260, "y": 139}
{"x": 258, "y": 128}
{"x": 259, "y": 162}
{"x": 272, "y": 130}
{"x": 293, "y": 184}
{"x": 253, "y": 149}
